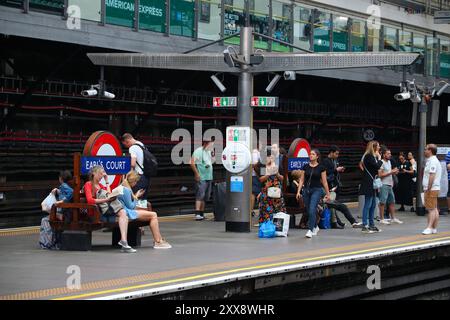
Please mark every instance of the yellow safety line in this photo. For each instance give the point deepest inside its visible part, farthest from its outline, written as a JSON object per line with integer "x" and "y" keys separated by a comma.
{"x": 35, "y": 229}
{"x": 277, "y": 264}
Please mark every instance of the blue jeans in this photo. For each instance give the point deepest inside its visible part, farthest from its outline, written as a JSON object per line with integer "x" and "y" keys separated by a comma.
{"x": 311, "y": 198}
{"x": 368, "y": 211}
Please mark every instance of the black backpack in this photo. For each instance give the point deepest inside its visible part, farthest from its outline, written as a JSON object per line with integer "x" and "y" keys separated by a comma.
{"x": 150, "y": 168}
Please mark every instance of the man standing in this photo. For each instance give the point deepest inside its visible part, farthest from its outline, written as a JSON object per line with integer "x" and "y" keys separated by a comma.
{"x": 333, "y": 170}
{"x": 136, "y": 151}
{"x": 201, "y": 165}
{"x": 431, "y": 187}
{"x": 386, "y": 174}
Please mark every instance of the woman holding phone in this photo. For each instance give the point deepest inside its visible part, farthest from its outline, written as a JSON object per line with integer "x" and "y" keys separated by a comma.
{"x": 129, "y": 201}
{"x": 268, "y": 203}
{"x": 313, "y": 179}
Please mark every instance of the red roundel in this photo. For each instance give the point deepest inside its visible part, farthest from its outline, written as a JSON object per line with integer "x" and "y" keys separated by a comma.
{"x": 103, "y": 143}
{"x": 299, "y": 148}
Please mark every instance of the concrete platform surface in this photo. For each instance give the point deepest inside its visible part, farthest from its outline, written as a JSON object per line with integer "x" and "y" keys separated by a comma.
{"x": 202, "y": 251}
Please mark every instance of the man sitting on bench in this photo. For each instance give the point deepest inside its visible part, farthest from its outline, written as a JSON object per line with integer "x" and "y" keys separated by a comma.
{"x": 96, "y": 174}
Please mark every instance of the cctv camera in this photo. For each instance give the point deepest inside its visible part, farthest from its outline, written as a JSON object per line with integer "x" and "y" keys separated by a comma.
{"x": 289, "y": 75}
{"x": 228, "y": 58}
{"x": 218, "y": 83}
{"x": 89, "y": 93}
{"x": 273, "y": 83}
{"x": 108, "y": 95}
{"x": 402, "y": 96}
{"x": 441, "y": 90}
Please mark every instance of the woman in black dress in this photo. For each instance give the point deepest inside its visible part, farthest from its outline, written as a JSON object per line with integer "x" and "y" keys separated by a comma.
{"x": 405, "y": 183}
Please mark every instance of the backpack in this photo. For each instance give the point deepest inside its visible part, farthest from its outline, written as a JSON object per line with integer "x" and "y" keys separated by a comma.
{"x": 47, "y": 238}
{"x": 150, "y": 163}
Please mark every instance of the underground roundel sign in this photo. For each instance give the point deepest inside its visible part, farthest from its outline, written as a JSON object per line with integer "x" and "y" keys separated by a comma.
{"x": 298, "y": 154}
{"x": 103, "y": 148}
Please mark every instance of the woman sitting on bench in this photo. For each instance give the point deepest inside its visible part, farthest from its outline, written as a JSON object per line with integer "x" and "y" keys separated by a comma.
{"x": 129, "y": 201}
{"x": 96, "y": 174}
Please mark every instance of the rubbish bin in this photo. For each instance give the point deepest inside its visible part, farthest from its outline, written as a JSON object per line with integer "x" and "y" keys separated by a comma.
{"x": 220, "y": 190}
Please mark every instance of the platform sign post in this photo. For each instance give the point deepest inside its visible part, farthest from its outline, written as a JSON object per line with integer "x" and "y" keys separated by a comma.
{"x": 236, "y": 158}
{"x": 103, "y": 148}
{"x": 298, "y": 154}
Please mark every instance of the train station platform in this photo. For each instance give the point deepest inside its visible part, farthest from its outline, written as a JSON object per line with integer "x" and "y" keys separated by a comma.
{"x": 206, "y": 262}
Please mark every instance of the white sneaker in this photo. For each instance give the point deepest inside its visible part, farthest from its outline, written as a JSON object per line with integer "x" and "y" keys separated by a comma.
{"x": 309, "y": 234}
{"x": 427, "y": 231}
{"x": 434, "y": 231}
{"x": 384, "y": 221}
{"x": 162, "y": 245}
{"x": 199, "y": 217}
{"x": 397, "y": 221}
{"x": 126, "y": 248}
{"x": 315, "y": 231}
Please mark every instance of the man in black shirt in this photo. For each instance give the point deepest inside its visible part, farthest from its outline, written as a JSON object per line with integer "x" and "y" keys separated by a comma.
{"x": 334, "y": 182}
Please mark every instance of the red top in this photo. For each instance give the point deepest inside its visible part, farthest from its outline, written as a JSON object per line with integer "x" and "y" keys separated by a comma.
{"x": 90, "y": 199}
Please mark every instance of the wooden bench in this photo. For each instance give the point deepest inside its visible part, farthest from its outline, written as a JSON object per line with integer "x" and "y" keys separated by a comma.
{"x": 76, "y": 234}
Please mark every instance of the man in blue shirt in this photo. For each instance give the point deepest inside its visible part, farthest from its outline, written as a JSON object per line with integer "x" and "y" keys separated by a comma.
{"x": 64, "y": 193}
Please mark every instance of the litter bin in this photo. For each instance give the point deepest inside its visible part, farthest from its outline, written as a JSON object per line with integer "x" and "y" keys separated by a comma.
{"x": 220, "y": 190}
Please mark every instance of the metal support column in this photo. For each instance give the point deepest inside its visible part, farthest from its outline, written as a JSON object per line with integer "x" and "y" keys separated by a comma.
{"x": 222, "y": 21}
{"x": 196, "y": 17}
{"x": 103, "y": 13}
{"x": 238, "y": 204}
{"x": 26, "y": 6}
{"x": 167, "y": 24}
{"x": 420, "y": 210}
{"x": 136, "y": 15}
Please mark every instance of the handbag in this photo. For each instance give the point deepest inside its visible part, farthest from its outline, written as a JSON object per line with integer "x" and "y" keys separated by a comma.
{"x": 48, "y": 202}
{"x": 108, "y": 208}
{"x": 274, "y": 192}
{"x": 377, "y": 184}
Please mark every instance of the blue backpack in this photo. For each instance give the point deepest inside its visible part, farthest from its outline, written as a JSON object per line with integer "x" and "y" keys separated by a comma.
{"x": 266, "y": 229}
{"x": 325, "y": 220}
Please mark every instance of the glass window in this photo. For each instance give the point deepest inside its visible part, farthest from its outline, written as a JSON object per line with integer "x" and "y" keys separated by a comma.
{"x": 302, "y": 27}
{"x": 281, "y": 14}
{"x": 373, "y": 38}
{"x": 445, "y": 58}
{"x": 321, "y": 31}
{"x": 358, "y": 35}
{"x": 234, "y": 19}
{"x": 390, "y": 39}
{"x": 209, "y": 20}
{"x": 405, "y": 41}
{"x": 419, "y": 46}
{"x": 259, "y": 20}
{"x": 120, "y": 12}
{"x": 53, "y": 5}
{"x": 432, "y": 45}
{"x": 182, "y": 17}
{"x": 152, "y": 15}
{"x": 340, "y": 33}
{"x": 89, "y": 9}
